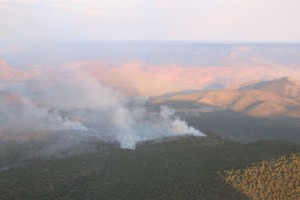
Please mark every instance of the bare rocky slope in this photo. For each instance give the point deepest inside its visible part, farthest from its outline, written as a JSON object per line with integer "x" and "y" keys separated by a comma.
{"x": 263, "y": 99}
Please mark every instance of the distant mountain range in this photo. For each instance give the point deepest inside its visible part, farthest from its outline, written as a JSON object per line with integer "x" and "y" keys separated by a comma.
{"x": 7, "y": 72}
{"x": 151, "y": 68}
{"x": 263, "y": 98}
{"x": 157, "y": 53}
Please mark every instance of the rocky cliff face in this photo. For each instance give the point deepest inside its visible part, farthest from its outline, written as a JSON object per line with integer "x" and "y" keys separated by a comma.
{"x": 265, "y": 98}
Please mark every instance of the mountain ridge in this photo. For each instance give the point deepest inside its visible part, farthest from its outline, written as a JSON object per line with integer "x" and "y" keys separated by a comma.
{"x": 262, "y": 99}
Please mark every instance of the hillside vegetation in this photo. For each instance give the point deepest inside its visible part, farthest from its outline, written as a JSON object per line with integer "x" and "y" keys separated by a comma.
{"x": 186, "y": 168}
{"x": 276, "y": 179}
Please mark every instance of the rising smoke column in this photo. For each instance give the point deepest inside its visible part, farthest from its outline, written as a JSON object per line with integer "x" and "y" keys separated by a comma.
{"x": 95, "y": 109}
{"x": 133, "y": 126}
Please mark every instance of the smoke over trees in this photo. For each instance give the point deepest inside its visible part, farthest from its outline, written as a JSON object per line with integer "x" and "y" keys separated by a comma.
{"x": 71, "y": 100}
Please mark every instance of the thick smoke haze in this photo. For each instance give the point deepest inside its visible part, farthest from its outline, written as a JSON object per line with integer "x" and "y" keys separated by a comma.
{"x": 78, "y": 87}
{"x": 71, "y": 100}
{"x": 19, "y": 114}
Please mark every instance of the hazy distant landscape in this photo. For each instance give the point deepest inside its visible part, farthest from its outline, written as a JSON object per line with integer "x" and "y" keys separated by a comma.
{"x": 154, "y": 68}
{"x": 190, "y": 114}
{"x": 140, "y": 99}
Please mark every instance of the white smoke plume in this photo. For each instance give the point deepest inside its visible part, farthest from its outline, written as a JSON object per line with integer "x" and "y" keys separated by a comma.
{"x": 140, "y": 125}
{"x": 19, "y": 114}
{"x": 91, "y": 107}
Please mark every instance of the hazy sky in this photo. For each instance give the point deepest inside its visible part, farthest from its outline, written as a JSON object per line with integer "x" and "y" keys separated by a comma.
{"x": 98, "y": 20}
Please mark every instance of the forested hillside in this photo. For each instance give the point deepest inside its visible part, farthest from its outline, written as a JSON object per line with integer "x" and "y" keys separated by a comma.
{"x": 276, "y": 179}
{"x": 186, "y": 168}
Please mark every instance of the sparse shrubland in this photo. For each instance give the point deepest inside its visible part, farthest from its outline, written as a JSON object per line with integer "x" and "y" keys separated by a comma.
{"x": 276, "y": 179}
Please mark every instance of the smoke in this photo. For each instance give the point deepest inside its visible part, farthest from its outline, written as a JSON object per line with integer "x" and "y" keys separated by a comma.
{"x": 72, "y": 100}
{"x": 21, "y": 115}
{"x": 133, "y": 126}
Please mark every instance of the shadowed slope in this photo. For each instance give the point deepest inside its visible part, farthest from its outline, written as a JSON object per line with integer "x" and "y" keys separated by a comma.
{"x": 186, "y": 168}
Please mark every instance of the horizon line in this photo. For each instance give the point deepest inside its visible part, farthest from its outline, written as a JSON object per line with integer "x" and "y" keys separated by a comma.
{"x": 158, "y": 41}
